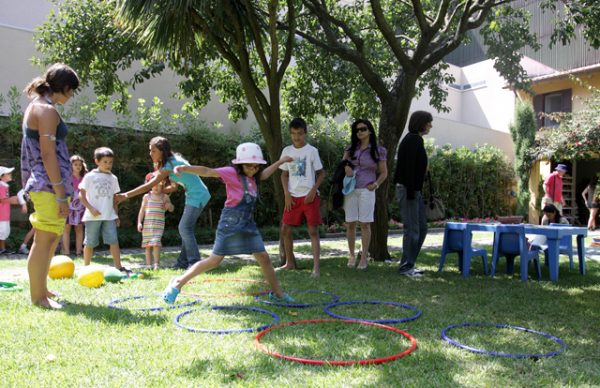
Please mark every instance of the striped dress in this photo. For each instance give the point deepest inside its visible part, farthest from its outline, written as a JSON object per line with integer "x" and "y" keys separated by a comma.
{"x": 154, "y": 220}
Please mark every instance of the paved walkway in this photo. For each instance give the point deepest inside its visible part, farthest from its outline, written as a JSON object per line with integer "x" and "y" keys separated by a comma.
{"x": 433, "y": 241}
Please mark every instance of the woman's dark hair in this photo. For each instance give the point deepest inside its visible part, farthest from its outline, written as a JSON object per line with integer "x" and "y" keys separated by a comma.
{"x": 59, "y": 78}
{"x": 552, "y": 209}
{"x": 354, "y": 141}
{"x": 163, "y": 145}
{"x": 594, "y": 180}
{"x": 418, "y": 120}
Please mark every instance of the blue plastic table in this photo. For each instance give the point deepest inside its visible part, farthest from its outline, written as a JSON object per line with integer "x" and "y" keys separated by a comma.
{"x": 553, "y": 235}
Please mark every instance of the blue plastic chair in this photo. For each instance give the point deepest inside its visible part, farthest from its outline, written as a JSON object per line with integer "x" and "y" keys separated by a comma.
{"x": 457, "y": 239}
{"x": 565, "y": 246}
{"x": 509, "y": 241}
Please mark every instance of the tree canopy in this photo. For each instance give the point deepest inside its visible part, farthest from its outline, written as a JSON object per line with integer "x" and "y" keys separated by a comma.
{"x": 369, "y": 58}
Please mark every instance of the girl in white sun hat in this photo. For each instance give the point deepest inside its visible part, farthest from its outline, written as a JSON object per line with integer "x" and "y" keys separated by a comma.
{"x": 237, "y": 232}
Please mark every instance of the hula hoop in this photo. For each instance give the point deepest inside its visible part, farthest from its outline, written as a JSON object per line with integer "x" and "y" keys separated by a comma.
{"x": 311, "y": 361}
{"x": 200, "y": 294}
{"x": 228, "y": 331}
{"x": 334, "y": 298}
{"x": 498, "y": 354}
{"x": 389, "y": 321}
{"x": 10, "y": 286}
{"x": 113, "y": 304}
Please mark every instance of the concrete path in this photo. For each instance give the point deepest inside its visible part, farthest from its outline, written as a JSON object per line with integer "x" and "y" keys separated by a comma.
{"x": 330, "y": 247}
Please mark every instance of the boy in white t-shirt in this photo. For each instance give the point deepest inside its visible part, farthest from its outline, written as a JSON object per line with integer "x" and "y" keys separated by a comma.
{"x": 301, "y": 193}
{"x": 96, "y": 192}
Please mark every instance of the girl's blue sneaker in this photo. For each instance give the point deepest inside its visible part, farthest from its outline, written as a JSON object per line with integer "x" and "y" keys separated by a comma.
{"x": 284, "y": 298}
{"x": 170, "y": 293}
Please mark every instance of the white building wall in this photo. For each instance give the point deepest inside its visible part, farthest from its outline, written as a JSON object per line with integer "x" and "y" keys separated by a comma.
{"x": 18, "y": 20}
{"x": 478, "y": 115}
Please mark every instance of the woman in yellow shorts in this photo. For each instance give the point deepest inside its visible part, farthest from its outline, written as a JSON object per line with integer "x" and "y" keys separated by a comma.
{"x": 46, "y": 172}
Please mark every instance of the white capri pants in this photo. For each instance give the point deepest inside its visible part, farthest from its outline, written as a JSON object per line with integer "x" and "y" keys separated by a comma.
{"x": 359, "y": 205}
{"x": 4, "y": 230}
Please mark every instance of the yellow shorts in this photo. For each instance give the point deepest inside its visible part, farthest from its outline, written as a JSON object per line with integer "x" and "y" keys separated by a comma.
{"x": 45, "y": 216}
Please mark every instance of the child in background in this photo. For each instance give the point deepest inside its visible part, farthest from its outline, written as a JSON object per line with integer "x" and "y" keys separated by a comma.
{"x": 151, "y": 221}
{"x": 96, "y": 191}
{"x": 301, "y": 180}
{"x": 5, "y": 202}
{"x": 24, "y": 198}
{"x": 236, "y": 232}
{"x": 76, "y": 209}
{"x": 23, "y": 248}
{"x": 196, "y": 196}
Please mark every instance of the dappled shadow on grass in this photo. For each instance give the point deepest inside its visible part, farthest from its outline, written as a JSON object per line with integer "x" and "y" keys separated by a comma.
{"x": 116, "y": 316}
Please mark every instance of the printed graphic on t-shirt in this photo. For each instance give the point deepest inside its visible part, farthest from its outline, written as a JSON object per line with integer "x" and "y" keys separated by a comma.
{"x": 103, "y": 188}
{"x": 298, "y": 167}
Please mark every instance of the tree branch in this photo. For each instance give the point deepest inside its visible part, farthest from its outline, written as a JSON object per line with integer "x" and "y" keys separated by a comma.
{"x": 289, "y": 44}
{"x": 389, "y": 35}
{"x": 257, "y": 38}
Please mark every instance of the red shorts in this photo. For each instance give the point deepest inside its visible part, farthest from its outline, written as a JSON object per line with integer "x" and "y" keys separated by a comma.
{"x": 299, "y": 209}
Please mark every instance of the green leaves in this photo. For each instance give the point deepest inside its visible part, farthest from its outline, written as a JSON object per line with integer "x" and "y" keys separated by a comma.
{"x": 576, "y": 137}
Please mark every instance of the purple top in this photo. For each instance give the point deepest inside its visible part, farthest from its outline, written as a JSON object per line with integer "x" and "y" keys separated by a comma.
{"x": 33, "y": 173}
{"x": 364, "y": 165}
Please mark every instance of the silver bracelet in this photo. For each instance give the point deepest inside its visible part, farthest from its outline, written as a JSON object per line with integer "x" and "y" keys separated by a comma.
{"x": 60, "y": 182}
{"x": 62, "y": 199}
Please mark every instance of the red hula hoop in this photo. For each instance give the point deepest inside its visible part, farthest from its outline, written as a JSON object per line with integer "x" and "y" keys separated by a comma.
{"x": 202, "y": 294}
{"x": 310, "y": 361}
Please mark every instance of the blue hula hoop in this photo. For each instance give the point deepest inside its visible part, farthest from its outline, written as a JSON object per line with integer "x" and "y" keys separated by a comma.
{"x": 534, "y": 356}
{"x": 113, "y": 304}
{"x": 228, "y": 331}
{"x": 383, "y": 321}
{"x": 334, "y": 298}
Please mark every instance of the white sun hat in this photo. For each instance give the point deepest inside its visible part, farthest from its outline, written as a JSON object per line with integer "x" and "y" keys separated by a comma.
{"x": 5, "y": 170}
{"x": 248, "y": 153}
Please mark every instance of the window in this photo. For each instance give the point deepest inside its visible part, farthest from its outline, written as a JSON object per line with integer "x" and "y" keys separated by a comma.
{"x": 559, "y": 101}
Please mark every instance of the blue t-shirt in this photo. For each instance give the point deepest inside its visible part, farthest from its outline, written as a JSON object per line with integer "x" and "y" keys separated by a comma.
{"x": 196, "y": 193}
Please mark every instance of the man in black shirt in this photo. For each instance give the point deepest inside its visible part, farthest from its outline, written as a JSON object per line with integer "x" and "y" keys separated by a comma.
{"x": 410, "y": 172}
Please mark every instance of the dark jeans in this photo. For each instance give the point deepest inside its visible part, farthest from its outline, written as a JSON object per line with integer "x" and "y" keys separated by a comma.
{"x": 414, "y": 219}
{"x": 187, "y": 226}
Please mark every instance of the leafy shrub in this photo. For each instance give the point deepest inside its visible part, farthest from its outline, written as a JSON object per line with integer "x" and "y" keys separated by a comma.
{"x": 472, "y": 183}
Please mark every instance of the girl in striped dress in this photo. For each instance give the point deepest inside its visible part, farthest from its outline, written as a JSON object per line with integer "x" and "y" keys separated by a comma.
{"x": 151, "y": 221}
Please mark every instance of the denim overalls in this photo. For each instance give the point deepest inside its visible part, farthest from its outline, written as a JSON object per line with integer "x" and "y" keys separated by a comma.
{"x": 237, "y": 231}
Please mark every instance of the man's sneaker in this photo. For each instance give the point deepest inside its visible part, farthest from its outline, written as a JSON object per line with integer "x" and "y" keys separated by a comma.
{"x": 3, "y": 251}
{"x": 125, "y": 270}
{"x": 418, "y": 270}
{"x": 23, "y": 249}
{"x": 410, "y": 272}
{"x": 285, "y": 298}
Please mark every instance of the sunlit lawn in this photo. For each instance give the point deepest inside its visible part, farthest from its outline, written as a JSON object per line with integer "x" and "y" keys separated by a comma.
{"x": 89, "y": 344}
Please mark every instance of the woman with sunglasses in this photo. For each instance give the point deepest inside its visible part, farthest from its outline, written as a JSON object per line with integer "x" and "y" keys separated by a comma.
{"x": 370, "y": 170}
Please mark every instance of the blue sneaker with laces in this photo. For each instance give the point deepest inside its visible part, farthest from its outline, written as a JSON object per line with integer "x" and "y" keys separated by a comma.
{"x": 170, "y": 293}
{"x": 285, "y": 298}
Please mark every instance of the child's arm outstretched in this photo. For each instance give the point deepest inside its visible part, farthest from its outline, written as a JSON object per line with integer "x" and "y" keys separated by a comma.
{"x": 267, "y": 172}
{"x": 197, "y": 170}
{"x": 142, "y": 214}
{"x": 141, "y": 189}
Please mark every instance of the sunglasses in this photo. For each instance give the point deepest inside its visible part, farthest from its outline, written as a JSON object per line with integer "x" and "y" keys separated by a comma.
{"x": 255, "y": 166}
{"x": 362, "y": 129}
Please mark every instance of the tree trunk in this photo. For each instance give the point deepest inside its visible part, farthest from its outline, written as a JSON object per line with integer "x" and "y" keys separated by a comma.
{"x": 393, "y": 118}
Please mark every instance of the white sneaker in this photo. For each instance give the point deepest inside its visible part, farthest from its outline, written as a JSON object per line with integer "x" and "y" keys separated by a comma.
{"x": 23, "y": 249}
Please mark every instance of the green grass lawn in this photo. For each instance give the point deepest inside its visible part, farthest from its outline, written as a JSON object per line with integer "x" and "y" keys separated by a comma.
{"x": 88, "y": 344}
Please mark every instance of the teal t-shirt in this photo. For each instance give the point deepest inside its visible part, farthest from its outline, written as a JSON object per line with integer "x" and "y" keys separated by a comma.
{"x": 196, "y": 193}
